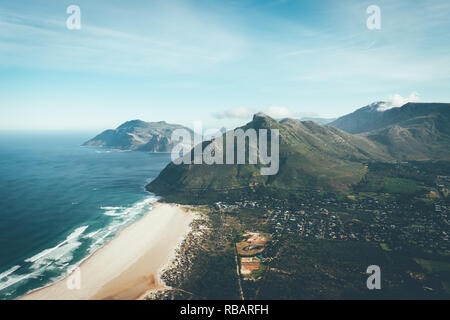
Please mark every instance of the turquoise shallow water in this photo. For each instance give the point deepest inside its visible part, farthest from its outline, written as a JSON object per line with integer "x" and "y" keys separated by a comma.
{"x": 59, "y": 202}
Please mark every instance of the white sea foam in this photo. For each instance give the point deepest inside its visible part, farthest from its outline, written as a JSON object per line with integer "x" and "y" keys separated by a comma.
{"x": 78, "y": 232}
{"x": 56, "y": 257}
{"x": 13, "y": 279}
{"x": 121, "y": 217}
{"x": 8, "y": 272}
{"x": 71, "y": 237}
{"x": 111, "y": 208}
{"x": 91, "y": 234}
{"x": 112, "y": 213}
{"x": 134, "y": 210}
{"x": 60, "y": 256}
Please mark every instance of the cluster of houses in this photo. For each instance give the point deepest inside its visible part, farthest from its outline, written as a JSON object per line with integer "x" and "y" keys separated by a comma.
{"x": 384, "y": 220}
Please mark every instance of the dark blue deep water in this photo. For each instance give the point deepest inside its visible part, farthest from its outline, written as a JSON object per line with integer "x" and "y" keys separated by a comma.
{"x": 59, "y": 202}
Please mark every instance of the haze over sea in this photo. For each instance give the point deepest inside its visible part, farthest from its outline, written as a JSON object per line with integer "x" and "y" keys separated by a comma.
{"x": 59, "y": 202}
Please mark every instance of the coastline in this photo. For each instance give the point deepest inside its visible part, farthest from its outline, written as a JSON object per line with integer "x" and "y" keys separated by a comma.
{"x": 131, "y": 264}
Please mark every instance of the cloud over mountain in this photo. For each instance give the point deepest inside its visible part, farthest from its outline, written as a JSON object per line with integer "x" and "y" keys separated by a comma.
{"x": 246, "y": 113}
{"x": 396, "y": 100}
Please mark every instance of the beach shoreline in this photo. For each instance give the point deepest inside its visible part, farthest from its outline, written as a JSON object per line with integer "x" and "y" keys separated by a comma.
{"x": 131, "y": 264}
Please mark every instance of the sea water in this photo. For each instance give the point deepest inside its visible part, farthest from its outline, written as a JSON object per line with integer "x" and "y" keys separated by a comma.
{"x": 59, "y": 202}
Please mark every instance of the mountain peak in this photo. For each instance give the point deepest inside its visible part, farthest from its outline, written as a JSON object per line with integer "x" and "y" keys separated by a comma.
{"x": 378, "y": 105}
{"x": 262, "y": 120}
{"x": 260, "y": 115}
{"x": 131, "y": 124}
{"x": 375, "y": 106}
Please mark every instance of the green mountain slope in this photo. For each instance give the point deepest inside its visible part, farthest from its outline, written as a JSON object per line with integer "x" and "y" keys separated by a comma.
{"x": 416, "y": 131}
{"x": 321, "y": 157}
{"x": 372, "y": 117}
{"x": 321, "y": 121}
{"x": 311, "y": 156}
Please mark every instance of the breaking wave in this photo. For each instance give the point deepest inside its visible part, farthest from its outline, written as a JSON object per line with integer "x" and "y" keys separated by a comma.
{"x": 54, "y": 262}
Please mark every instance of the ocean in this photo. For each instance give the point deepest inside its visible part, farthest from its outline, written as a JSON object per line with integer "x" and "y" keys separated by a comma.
{"x": 59, "y": 202}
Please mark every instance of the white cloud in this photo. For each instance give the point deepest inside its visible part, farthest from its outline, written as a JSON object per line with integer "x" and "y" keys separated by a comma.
{"x": 396, "y": 100}
{"x": 246, "y": 113}
{"x": 235, "y": 113}
{"x": 196, "y": 43}
{"x": 279, "y": 112}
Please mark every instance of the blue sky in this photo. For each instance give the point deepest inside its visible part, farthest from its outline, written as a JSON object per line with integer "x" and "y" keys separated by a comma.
{"x": 215, "y": 61}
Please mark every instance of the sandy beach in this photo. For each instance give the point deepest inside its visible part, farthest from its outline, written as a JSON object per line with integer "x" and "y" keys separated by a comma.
{"x": 130, "y": 264}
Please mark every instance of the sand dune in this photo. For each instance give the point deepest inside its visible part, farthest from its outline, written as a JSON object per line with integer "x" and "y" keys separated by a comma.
{"x": 130, "y": 264}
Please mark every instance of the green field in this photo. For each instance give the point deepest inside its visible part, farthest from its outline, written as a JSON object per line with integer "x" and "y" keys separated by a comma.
{"x": 433, "y": 266}
{"x": 380, "y": 184}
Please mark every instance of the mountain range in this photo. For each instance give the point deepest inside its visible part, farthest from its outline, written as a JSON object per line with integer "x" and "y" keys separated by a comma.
{"x": 416, "y": 131}
{"x": 331, "y": 157}
{"x": 321, "y": 121}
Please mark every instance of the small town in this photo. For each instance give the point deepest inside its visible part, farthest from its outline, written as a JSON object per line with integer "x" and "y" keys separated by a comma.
{"x": 391, "y": 223}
